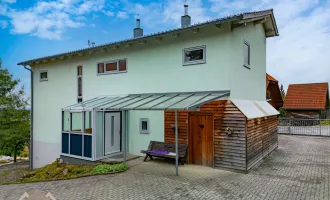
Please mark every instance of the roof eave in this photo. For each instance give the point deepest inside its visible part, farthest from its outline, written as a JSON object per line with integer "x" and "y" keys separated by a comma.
{"x": 173, "y": 31}
{"x": 179, "y": 30}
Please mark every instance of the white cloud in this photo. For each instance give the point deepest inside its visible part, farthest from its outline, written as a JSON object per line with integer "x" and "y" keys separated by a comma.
{"x": 122, "y": 15}
{"x": 3, "y": 24}
{"x": 8, "y": 1}
{"x": 174, "y": 9}
{"x": 167, "y": 12}
{"x": 299, "y": 54}
{"x": 109, "y": 13}
{"x": 50, "y": 19}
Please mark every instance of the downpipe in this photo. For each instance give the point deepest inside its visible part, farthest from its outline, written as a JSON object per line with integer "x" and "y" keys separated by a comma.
{"x": 31, "y": 120}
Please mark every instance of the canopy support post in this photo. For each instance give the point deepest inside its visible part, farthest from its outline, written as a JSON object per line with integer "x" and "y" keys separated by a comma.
{"x": 124, "y": 131}
{"x": 176, "y": 145}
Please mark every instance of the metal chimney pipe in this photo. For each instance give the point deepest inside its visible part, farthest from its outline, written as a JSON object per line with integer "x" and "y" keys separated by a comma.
{"x": 138, "y": 23}
{"x": 185, "y": 19}
{"x": 138, "y": 31}
{"x": 185, "y": 9}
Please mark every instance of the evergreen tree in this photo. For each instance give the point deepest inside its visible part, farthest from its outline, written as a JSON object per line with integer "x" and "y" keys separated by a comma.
{"x": 282, "y": 92}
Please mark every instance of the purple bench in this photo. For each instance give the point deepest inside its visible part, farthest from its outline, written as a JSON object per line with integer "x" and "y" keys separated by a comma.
{"x": 165, "y": 150}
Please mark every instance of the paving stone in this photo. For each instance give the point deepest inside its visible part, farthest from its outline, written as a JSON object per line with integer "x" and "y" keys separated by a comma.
{"x": 298, "y": 169}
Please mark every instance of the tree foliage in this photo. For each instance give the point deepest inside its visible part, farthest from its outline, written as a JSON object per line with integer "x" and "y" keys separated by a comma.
{"x": 282, "y": 92}
{"x": 14, "y": 116}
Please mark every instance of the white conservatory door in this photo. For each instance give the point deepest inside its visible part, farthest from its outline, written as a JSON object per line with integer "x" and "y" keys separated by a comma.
{"x": 112, "y": 133}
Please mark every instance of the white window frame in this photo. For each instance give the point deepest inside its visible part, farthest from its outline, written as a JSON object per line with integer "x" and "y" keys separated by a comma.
{"x": 148, "y": 126}
{"x": 80, "y": 76}
{"x": 43, "y": 79}
{"x": 110, "y": 72}
{"x": 194, "y": 62}
{"x": 247, "y": 65}
{"x": 82, "y": 133}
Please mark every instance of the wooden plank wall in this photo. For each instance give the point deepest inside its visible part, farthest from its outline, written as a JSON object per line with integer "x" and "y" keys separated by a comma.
{"x": 169, "y": 117}
{"x": 261, "y": 139}
{"x": 229, "y": 150}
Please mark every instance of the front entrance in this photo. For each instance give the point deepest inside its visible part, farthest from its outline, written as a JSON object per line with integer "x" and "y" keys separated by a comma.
{"x": 112, "y": 132}
{"x": 201, "y": 139}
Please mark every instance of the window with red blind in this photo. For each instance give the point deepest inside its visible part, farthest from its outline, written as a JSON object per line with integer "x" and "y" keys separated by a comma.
{"x": 116, "y": 66}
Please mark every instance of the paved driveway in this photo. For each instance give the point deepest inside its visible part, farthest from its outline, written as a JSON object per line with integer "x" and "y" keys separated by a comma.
{"x": 298, "y": 169}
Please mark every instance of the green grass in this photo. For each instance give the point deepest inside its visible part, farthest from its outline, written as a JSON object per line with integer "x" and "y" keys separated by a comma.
{"x": 325, "y": 122}
{"x": 105, "y": 168}
{"x": 56, "y": 171}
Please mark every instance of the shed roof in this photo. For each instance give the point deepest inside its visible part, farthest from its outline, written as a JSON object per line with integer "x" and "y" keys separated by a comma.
{"x": 270, "y": 28}
{"x": 255, "y": 109}
{"x": 155, "y": 101}
{"x": 306, "y": 96}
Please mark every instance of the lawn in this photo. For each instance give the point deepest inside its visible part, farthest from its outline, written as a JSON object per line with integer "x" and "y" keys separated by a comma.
{"x": 58, "y": 171}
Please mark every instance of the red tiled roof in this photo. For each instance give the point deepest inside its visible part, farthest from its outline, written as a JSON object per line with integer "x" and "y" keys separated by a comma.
{"x": 269, "y": 78}
{"x": 306, "y": 96}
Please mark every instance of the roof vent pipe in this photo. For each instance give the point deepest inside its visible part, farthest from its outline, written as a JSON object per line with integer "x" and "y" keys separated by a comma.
{"x": 185, "y": 19}
{"x": 138, "y": 31}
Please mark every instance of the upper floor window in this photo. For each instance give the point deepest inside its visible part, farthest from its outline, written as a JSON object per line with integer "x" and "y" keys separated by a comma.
{"x": 194, "y": 55}
{"x": 79, "y": 75}
{"x": 247, "y": 54}
{"x": 115, "y": 66}
{"x": 44, "y": 75}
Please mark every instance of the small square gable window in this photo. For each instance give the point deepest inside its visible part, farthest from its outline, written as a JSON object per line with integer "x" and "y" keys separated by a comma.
{"x": 43, "y": 75}
{"x": 194, "y": 55}
{"x": 144, "y": 126}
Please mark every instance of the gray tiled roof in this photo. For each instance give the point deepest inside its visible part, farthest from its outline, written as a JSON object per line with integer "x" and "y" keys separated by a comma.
{"x": 240, "y": 16}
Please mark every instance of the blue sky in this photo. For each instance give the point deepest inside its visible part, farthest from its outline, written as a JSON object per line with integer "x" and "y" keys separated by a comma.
{"x": 35, "y": 28}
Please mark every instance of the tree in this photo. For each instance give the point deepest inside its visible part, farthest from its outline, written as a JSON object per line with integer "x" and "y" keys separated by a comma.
{"x": 282, "y": 92}
{"x": 14, "y": 116}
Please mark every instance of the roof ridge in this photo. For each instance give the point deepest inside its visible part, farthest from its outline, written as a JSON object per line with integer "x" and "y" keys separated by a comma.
{"x": 309, "y": 83}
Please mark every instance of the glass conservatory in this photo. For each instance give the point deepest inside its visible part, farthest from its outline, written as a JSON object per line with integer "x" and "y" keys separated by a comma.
{"x": 97, "y": 128}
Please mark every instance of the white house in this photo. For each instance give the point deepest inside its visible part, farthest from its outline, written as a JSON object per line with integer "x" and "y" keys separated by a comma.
{"x": 225, "y": 55}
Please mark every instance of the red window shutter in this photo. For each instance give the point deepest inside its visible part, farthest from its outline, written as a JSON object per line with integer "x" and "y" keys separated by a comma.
{"x": 100, "y": 67}
{"x": 122, "y": 65}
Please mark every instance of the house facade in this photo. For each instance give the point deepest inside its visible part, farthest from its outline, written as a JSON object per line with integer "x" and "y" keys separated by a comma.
{"x": 216, "y": 55}
{"x": 309, "y": 99}
{"x": 273, "y": 92}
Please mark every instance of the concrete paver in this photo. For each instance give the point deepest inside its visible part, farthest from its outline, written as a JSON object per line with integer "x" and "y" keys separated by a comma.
{"x": 298, "y": 169}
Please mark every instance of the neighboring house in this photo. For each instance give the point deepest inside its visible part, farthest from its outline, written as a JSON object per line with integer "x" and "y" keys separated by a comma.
{"x": 306, "y": 99}
{"x": 273, "y": 92}
{"x": 180, "y": 69}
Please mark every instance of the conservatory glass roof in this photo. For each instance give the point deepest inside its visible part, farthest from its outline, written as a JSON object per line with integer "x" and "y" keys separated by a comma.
{"x": 155, "y": 101}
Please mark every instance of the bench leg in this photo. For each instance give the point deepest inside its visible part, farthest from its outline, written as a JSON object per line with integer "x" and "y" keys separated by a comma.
{"x": 181, "y": 161}
{"x": 145, "y": 158}
{"x": 151, "y": 158}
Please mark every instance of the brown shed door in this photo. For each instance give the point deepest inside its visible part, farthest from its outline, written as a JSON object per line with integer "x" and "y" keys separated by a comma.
{"x": 201, "y": 140}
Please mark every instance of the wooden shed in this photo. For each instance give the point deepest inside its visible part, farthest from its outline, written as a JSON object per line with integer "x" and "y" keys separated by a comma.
{"x": 226, "y": 134}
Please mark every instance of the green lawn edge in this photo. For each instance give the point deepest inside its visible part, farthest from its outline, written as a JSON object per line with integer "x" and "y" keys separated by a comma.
{"x": 20, "y": 181}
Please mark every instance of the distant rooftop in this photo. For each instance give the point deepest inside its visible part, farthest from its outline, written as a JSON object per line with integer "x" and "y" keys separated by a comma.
{"x": 307, "y": 96}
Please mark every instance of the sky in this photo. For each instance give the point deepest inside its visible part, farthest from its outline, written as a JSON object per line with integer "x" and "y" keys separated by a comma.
{"x": 36, "y": 28}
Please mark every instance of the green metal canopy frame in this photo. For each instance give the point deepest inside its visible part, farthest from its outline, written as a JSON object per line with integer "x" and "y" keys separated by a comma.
{"x": 153, "y": 101}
